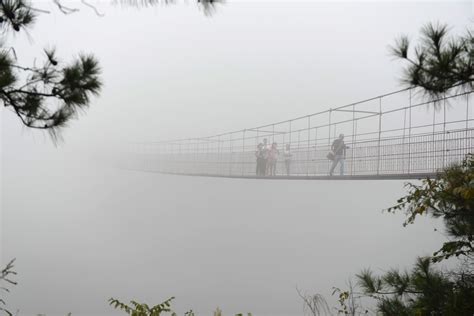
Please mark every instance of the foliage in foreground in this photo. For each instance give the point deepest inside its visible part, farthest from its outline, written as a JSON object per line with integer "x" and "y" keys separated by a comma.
{"x": 313, "y": 304}
{"x": 5, "y": 277}
{"x": 349, "y": 303}
{"x": 439, "y": 62}
{"x": 449, "y": 196}
{"x": 49, "y": 94}
{"x": 141, "y": 309}
{"x": 425, "y": 290}
{"x": 45, "y": 96}
{"x": 422, "y": 291}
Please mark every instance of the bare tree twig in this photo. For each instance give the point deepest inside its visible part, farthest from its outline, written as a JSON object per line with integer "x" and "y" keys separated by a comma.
{"x": 316, "y": 304}
{"x": 63, "y": 8}
{"x": 93, "y": 8}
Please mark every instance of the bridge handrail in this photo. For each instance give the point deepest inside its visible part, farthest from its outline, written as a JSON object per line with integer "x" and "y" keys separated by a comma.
{"x": 212, "y": 138}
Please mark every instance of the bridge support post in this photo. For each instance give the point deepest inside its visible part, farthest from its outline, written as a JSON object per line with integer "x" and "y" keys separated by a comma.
{"x": 273, "y": 133}
{"x": 188, "y": 154}
{"x": 444, "y": 132}
{"x": 291, "y": 147}
{"x": 218, "y": 154}
{"x": 329, "y": 139}
{"x": 243, "y": 151}
{"x": 380, "y": 134}
{"x": 467, "y": 144}
{"x": 207, "y": 156}
{"x": 467, "y": 112}
{"x": 309, "y": 144}
{"x": 409, "y": 131}
{"x": 353, "y": 140}
{"x": 316, "y": 164}
{"x": 289, "y": 136}
{"x": 434, "y": 160}
{"x": 230, "y": 155}
{"x": 196, "y": 157}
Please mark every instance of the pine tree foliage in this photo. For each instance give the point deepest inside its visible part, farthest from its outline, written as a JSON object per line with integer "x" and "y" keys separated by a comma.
{"x": 208, "y": 7}
{"x": 439, "y": 62}
{"x": 6, "y": 275}
{"x": 49, "y": 95}
{"x": 425, "y": 290}
{"x": 449, "y": 196}
{"x": 422, "y": 291}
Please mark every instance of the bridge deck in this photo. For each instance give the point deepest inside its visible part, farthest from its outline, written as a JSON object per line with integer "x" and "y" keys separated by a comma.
{"x": 404, "y": 176}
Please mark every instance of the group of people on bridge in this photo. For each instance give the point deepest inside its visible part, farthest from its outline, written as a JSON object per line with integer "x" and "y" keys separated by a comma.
{"x": 267, "y": 157}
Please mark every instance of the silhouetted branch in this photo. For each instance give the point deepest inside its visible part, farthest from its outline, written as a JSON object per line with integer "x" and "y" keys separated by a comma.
{"x": 207, "y": 6}
{"x": 63, "y": 8}
{"x": 93, "y": 8}
{"x": 438, "y": 64}
{"x": 5, "y": 276}
{"x": 314, "y": 304}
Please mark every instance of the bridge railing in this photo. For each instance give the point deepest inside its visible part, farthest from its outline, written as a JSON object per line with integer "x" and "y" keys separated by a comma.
{"x": 396, "y": 133}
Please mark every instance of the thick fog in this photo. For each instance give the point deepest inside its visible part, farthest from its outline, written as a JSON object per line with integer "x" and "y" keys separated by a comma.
{"x": 83, "y": 230}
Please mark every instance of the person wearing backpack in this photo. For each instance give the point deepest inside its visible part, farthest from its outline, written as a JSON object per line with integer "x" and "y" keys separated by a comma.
{"x": 339, "y": 149}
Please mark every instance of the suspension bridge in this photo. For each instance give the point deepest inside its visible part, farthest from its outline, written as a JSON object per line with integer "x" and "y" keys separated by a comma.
{"x": 398, "y": 135}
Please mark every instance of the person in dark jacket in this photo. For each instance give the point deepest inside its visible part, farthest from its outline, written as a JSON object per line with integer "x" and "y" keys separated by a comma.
{"x": 259, "y": 154}
{"x": 339, "y": 149}
{"x": 265, "y": 153}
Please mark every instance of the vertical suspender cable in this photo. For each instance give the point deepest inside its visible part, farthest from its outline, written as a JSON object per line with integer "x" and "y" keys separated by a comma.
{"x": 353, "y": 140}
{"x": 316, "y": 165}
{"x": 329, "y": 136}
{"x": 444, "y": 131}
{"x": 308, "y": 150}
{"x": 230, "y": 155}
{"x": 379, "y": 136}
{"x": 243, "y": 151}
{"x": 409, "y": 132}
{"x": 467, "y": 126}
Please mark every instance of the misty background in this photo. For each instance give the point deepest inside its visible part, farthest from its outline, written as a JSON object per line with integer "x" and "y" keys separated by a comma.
{"x": 83, "y": 231}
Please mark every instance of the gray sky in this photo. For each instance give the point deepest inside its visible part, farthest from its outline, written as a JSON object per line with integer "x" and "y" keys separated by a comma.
{"x": 83, "y": 232}
{"x": 171, "y": 72}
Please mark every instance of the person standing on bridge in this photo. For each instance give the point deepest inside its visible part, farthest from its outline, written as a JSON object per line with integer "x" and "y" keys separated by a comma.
{"x": 259, "y": 154}
{"x": 339, "y": 149}
{"x": 287, "y": 155}
{"x": 273, "y": 153}
{"x": 265, "y": 152}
